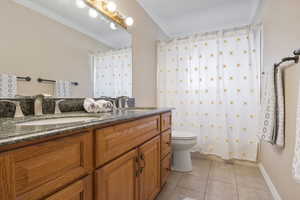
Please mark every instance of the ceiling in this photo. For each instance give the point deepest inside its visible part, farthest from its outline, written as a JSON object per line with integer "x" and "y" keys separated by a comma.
{"x": 67, "y": 13}
{"x": 179, "y": 17}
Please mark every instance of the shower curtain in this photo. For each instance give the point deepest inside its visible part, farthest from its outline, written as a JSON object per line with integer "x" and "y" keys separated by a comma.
{"x": 213, "y": 82}
{"x": 113, "y": 73}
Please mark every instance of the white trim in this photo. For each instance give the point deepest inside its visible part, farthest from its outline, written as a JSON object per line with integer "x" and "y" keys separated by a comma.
{"x": 268, "y": 180}
{"x": 52, "y": 15}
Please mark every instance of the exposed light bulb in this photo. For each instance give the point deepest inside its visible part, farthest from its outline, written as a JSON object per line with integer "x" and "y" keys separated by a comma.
{"x": 111, "y": 6}
{"x": 80, "y": 4}
{"x": 129, "y": 21}
{"x": 113, "y": 26}
{"x": 93, "y": 13}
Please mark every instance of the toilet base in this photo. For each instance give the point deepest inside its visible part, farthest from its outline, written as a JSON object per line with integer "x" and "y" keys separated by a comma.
{"x": 182, "y": 161}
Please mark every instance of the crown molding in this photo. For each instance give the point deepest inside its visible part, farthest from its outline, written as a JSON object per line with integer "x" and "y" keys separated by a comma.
{"x": 156, "y": 19}
{"x": 62, "y": 20}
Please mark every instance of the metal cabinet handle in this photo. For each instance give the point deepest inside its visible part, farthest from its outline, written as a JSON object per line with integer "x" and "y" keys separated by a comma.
{"x": 142, "y": 158}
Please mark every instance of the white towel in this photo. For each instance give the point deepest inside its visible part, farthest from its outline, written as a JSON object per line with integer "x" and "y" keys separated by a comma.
{"x": 63, "y": 89}
{"x": 296, "y": 161}
{"x": 91, "y": 106}
{"x": 273, "y": 109}
{"x": 8, "y": 86}
{"x": 100, "y": 106}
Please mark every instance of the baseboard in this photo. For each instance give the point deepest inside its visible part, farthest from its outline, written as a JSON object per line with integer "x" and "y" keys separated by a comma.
{"x": 268, "y": 180}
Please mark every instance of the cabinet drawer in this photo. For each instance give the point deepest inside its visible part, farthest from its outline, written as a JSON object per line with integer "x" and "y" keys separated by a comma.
{"x": 165, "y": 143}
{"x": 165, "y": 168}
{"x": 41, "y": 169}
{"x": 116, "y": 140}
{"x": 80, "y": 190}
{"x": 166, "y": 121}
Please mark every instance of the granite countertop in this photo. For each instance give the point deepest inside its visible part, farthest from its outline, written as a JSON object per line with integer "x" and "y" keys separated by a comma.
{"x": 12, "y": 133}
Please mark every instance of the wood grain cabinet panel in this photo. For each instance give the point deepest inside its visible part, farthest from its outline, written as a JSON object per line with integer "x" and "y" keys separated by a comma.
{"x": 80, "y": 190}
{"x": 118, "y": 180}
{"x": 166, "y": 121}
{"x": 42, "y": 169}
{"x": 116, "y": 140}
{"x": 150, "y": 165}
{"x": 166, "y": 143}
{"x": 165, "y": 168}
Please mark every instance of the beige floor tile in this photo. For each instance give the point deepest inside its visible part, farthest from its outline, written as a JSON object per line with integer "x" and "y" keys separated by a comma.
{"x": 192, "y": 182}
{"x": 201, "y": 168}
{"x": 167, "y": 194}
{"x": 222, "y": 165}
{"x": 252, "y": 194}
{"x": 218, "y": 190}
{"x": 173, "y": 179}
{"x": 247, "y": 171}
{"x": 255, "y": 182}
{"x": 224, "y": 174}
{"x": 186, "y": 194}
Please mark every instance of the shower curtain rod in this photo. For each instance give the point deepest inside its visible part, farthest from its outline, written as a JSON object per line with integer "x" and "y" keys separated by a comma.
{"x": 294, "y": 58}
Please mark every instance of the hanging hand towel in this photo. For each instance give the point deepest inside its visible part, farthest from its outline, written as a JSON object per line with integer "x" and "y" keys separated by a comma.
{"x": 63, "y": 89}
{"x": 273, "y": 109}
{"x": 296, "y": 161}
{"x": 268, "y": 109}
{"x": 8, "y": 86}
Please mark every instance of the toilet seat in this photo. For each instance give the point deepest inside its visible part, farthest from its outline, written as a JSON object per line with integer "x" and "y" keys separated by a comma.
{"x": 183, "y": 135}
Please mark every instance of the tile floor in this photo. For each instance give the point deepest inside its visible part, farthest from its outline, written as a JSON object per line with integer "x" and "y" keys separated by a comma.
{"x": 214, "y": 180}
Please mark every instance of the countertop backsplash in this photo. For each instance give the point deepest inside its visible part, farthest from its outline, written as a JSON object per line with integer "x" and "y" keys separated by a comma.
{"x": 7, "y": 110}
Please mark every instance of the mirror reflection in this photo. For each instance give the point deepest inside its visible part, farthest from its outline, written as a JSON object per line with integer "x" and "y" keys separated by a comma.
{"x": 63, "y": 48}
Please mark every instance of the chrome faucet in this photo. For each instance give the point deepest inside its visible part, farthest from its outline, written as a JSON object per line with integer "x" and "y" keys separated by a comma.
{"x": 120, "y": 100}
{"x": 57, "y": 109}
{"x": 18, "y": 110}
{"x": 38, "y": 104}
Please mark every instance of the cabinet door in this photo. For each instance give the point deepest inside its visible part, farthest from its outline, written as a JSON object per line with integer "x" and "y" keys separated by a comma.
{"x": 80, "y": 190}
{"x": 118, "y": 180}
{"x": 149, "y": 154}
{"x": 165, "y": 143}
{"x": 165, "y": 169}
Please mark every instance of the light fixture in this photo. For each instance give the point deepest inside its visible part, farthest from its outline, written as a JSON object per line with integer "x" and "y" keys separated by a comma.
{"x": 93, "y": 13}
{"x": 129, "y": 21}
{"x": 108, "y": 9}
{"x": 80, "y": 4}
{"x": 113, "y": 26}
{"x": 111, "y": 6}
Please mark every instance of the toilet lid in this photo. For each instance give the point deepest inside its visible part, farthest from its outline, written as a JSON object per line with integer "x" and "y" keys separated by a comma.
{"x": 183, "y": 135}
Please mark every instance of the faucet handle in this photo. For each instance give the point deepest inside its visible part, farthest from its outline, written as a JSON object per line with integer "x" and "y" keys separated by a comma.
{"x": 126, "y": 103}
{"x": 18, "y": 111}
{"x": 57, "y": 109}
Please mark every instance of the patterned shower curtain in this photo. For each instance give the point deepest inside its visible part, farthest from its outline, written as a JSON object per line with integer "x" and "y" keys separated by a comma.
{"x": 213, "y": 82}
{"x": 113, "y": 73}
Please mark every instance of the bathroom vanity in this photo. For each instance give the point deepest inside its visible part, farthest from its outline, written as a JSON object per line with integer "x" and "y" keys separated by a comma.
{"x": 122, "y": 156}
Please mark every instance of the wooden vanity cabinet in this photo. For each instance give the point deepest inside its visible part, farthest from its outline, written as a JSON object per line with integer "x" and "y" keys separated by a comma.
{"x": 128, "y": 161}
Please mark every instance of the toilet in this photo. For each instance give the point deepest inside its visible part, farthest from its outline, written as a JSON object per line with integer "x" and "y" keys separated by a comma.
{"x": 182, "y": 143}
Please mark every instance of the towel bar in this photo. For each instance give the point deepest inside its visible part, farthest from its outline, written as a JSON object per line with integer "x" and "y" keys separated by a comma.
{"x": 40, "y": 80}
{"x": 22, "y": 78}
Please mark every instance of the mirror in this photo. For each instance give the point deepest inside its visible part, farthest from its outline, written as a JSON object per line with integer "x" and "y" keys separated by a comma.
{"x": 84, "y": 53}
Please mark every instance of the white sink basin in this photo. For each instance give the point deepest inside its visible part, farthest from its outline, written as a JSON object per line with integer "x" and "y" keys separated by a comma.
{"x": 56, "y": 121}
